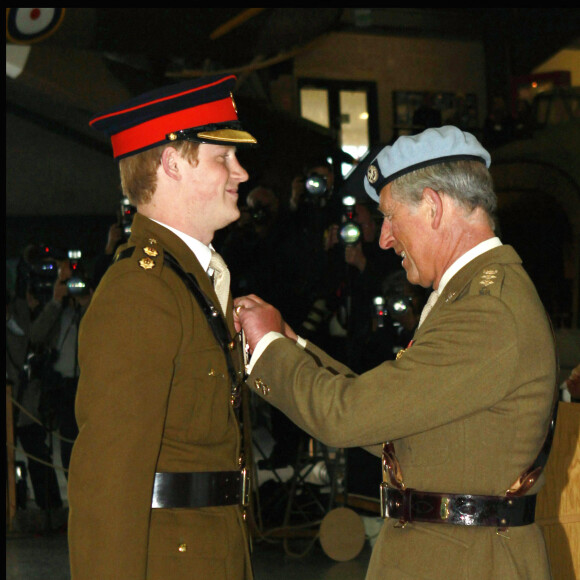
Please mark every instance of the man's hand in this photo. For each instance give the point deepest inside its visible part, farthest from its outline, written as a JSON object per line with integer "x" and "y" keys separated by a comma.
{"x": 256, "y": 318}
{"x": 331, "y": 237}
{"x": 59, "y": 290}
{"x": 114, "y": 238}
{"x": 355, "y": 256}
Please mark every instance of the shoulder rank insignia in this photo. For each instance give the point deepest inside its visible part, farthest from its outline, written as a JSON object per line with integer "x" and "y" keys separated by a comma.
{"x": 487, "y": 279}
{"x": 147, "y": 263}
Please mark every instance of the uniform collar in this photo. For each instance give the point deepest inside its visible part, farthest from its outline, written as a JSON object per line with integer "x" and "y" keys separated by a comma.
{"x": 201, "y": 251}
{"x": 465, "y": 259}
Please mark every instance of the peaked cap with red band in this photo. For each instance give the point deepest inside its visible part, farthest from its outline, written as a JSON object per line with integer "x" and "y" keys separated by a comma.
{"x": 202, "y": 110}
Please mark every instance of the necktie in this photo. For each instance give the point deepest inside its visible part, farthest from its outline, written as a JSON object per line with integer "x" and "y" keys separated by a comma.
{"x": 427, "y": 308}
{"x": 221, "y": 279}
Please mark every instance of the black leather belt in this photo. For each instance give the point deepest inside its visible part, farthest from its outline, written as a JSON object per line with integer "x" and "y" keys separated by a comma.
{"x": 200, "y": 489}
{"x": 411, "y": 505}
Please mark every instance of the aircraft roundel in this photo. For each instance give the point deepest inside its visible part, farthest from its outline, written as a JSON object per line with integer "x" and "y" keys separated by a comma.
{"x": 29, "y": 25}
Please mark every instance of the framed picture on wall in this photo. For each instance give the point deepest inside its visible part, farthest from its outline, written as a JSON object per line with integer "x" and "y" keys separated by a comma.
{"x": 415, "y": 111}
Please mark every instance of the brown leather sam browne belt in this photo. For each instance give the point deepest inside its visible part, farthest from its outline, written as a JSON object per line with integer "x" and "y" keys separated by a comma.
{"x": 201, "y": 489}
{"x": 409, "y": 505}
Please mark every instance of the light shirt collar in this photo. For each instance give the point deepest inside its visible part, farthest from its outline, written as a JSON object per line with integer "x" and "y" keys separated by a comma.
{"x": 470, "y": 255}
{"x": 201, "y": 251}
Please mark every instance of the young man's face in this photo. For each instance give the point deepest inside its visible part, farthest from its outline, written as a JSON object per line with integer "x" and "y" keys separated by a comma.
{"x": 214, "y": 179}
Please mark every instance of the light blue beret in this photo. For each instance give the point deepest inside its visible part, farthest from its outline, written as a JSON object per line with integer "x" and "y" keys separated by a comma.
{"x": 412, "y": 152}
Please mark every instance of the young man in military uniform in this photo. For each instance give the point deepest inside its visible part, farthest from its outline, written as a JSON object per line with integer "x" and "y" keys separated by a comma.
{"x": 461, "y": 416}
{"x": 157, "y": 479}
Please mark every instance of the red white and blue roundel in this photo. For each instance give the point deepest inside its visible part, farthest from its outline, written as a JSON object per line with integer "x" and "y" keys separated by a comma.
{"x": 29, "y": 25}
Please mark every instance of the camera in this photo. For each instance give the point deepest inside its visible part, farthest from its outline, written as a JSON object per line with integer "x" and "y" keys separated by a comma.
{"x": 399, "y": 305}
{"x": 259, "y": 213}
{"x": 42, "y": 277}
{"x": 316, "y": 184}
{"x": 127, "y": 213}
{"x": 393, "y": 306}
{"x": 77, "y": 284}
{"x": 349, "y": 232}
{"x": 380, "y": 311}
{"x": 40, "y": 270}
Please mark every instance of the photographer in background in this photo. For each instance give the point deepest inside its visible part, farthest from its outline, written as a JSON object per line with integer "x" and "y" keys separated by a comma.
{"x": 54, "y": 333}
{"x": 356, "y": 265}
{"x": 35, "y": 275}
{"x": 314, "y": 188}
{"x": 118, "y": 234}
{"x": 262, "y": 258}
{"x": 256, "y": 246}
{"x": 314, "y": 207}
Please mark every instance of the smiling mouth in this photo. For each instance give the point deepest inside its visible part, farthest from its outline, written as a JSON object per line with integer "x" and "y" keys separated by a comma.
{"x": 403, "y": 255}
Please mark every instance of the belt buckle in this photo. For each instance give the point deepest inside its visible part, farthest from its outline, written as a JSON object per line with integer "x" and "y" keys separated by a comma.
{"x": 246, "y": 487}
{"x": 384, "y": 503}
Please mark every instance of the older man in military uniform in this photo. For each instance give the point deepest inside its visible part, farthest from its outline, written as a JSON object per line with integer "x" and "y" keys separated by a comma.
{"x": 460, "y": 418}
{"x": 157, "y": 480}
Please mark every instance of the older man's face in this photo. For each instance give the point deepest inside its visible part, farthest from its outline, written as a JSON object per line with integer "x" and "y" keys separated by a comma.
{"x": 406, "y": 229}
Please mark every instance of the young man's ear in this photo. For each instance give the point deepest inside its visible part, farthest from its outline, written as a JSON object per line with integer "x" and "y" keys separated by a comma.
{"x": 434, "y": 205}
{"x": 170, "y": 163}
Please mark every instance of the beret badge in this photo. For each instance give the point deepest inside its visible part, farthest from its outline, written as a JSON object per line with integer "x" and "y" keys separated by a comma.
{"x": 372, "y": 174}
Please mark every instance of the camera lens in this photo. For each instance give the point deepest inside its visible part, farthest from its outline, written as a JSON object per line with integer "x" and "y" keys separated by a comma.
{"x": 350, "y": 233}
{"x": 398, "y": 305}
{"x": 77, "y": 287}
{"x": 315, "y": 184}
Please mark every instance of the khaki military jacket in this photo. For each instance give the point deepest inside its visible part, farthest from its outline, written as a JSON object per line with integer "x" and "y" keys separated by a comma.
{"x": 154, "y": 396}
{"x": 467, "y": 406}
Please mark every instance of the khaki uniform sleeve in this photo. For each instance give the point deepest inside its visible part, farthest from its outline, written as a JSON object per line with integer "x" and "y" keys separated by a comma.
{"x": 462, "y": 365}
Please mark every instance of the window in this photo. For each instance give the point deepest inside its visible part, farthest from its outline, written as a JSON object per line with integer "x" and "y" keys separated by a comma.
{"x": 347, "y": 107}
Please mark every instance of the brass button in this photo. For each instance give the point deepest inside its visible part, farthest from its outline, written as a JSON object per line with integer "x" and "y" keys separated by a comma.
{"x": 211, "y": 373}
{"x": 182, "y": 548}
